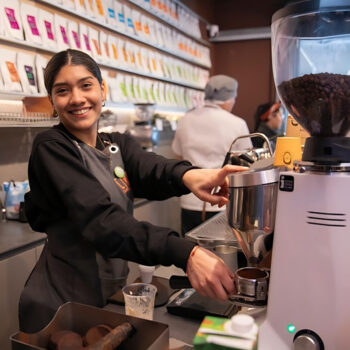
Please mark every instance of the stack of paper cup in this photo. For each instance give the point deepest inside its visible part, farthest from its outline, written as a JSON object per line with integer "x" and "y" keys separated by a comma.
{"x": 146, "y": 273}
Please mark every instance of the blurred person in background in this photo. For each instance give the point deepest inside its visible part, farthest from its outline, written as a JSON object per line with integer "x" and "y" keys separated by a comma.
{"x": 204, "y": 136}
{"x": 268, "y": 121}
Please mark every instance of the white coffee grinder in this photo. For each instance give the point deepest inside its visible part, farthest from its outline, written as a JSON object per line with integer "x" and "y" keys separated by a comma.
{"x": 308, "y": 306}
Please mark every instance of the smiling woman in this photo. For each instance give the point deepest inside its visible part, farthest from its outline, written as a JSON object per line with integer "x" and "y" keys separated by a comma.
{"x": 82, "y": 185}
{"x": 77, "y": 92}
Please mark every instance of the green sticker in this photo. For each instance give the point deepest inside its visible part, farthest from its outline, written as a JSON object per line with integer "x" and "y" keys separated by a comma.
{"x": 119, "y": 172}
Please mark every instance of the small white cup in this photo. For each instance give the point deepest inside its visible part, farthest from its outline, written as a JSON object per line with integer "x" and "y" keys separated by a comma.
{"x": 146, "y": 273}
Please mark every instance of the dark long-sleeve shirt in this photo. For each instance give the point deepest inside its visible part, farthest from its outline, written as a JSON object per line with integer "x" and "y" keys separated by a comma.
{"x": 69, "y": 203}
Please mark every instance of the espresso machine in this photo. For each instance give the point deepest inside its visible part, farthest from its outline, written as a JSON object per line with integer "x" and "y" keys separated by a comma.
{"x": 143, "y": 129}
{"x": 310, "y": 276}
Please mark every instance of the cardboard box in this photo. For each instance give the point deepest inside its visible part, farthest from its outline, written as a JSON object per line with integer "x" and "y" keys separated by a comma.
{"x": 149, "y": 335}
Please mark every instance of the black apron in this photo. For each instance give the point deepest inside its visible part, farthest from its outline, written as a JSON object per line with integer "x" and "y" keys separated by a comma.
{"x": 112, "y": 272}
{"x": 69, "y": 268}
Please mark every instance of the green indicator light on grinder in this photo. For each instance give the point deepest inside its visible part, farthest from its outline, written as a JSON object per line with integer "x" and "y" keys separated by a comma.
{"x": 291, "y": 328}
{"x": 119, "y": 172}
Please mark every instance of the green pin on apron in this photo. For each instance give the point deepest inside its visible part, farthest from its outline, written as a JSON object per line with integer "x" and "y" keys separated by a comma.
{"x": 119, "y": 172}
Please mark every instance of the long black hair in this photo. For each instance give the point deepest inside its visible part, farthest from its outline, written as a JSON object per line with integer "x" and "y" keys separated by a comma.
{"x": 73, "y": 57}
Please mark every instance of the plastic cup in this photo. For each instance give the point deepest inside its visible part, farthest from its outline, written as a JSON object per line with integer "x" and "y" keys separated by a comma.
{"x": 146, "y": 273}
{"x": 139, "y": 300}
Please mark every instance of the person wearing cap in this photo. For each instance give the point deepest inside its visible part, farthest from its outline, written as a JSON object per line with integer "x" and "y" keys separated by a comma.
{"x": 204, "y": 136}
{"x": 268, "y": 121}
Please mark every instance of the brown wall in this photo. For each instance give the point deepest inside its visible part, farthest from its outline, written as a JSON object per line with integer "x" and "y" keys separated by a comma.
{"x": 250, "y": 63}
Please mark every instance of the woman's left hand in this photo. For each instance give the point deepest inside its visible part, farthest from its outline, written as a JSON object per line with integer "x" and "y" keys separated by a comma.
{"x": 201, "y": 182}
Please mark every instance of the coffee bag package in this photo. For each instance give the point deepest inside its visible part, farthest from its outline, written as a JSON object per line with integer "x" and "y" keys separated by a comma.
{"x": 143, "y": 91}
{"x": 160, "y": 64}
{"x": 159, "y": 29}
{"x": 110, "y": 13}
{"x": 30, "y": 21}
{"x": 117, "y": 88}
{"x": 27, "y": 72}
{"x": 138, "y": 58}
{"x": 130, "y": 88}
{"x": 2, "y": 23}
{"x": 10, "y": 10}
{"x": 70, "y": 4}
{"x": 95, "y": 44}
{"x": 113, "y": 50}
{"x": 150, "y": 93}
{"x": 113, "y": 89}
{"x": 91, "y": 9}
{"x": 167, "y": 70}
{"x": 152, "y": 62}
{"x": 9, "y": 71}
{"x": 119, "y": 11}
{"x": 106, "y": 55}
{"x": 152, "y": 31}
{"x": 137, "y": 90}
{"x": 128, "y": 20}
{"x": 80, "y": 6}
{"x": 122, "y": 88}
{"x": 136, "y": 19}
{"x": 61, "y": 32}
{"x": 101, "y": 13}
{"x": 47, "y": 29}
{"x": 145, "y": 59}
{"x": 144, "y": 34}
{"x": 129, "y": 47}
{"x": 40, "y": 64}
{"x": 2, "y": 87}
{"x": 85, "y": 41}
{"x": 73, "y": 35}
{"x": 168, "y": 95}
{"x": 167, "y": 36}
{"x": 122, "y": 51}
{"x": 155, "y": 87}
{"x": 153, "y": 6}
{"x": 163, "y": 101}
{"x": 105, "y": 78}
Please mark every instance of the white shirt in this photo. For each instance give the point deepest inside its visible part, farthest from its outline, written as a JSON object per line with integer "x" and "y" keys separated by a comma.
{"x": 204, "y": 136}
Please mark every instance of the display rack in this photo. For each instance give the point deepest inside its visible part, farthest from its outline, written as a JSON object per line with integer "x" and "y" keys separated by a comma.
{"x": 104, "y": 25}
{"x": 200, "y": 40}
{"x": 20, "y": 120}
{"x": 165, "y": 77}
{"x": 42, "y": 48}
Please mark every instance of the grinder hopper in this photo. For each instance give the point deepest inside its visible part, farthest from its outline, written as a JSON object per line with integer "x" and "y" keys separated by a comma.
{"x": 310, "y": 55}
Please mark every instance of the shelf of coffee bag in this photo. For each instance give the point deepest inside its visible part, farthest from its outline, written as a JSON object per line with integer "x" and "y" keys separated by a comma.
{"x": 16, "y": 96}
{"x": 11, "y": 120}
{"x": 173, "y": 23}
{"x": 152, "y": 76}
{"x": 24, "y": 44}
{"x": 158, "y": 109}
{"x": 182, "y": 54}
{"x": 134, "y": 71}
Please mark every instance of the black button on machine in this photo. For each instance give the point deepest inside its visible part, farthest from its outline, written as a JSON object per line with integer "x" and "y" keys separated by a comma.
{"x": 307, "y": 340}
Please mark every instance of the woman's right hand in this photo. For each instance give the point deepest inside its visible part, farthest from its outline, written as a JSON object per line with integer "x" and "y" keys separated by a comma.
{"x": 209, "y": 275}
